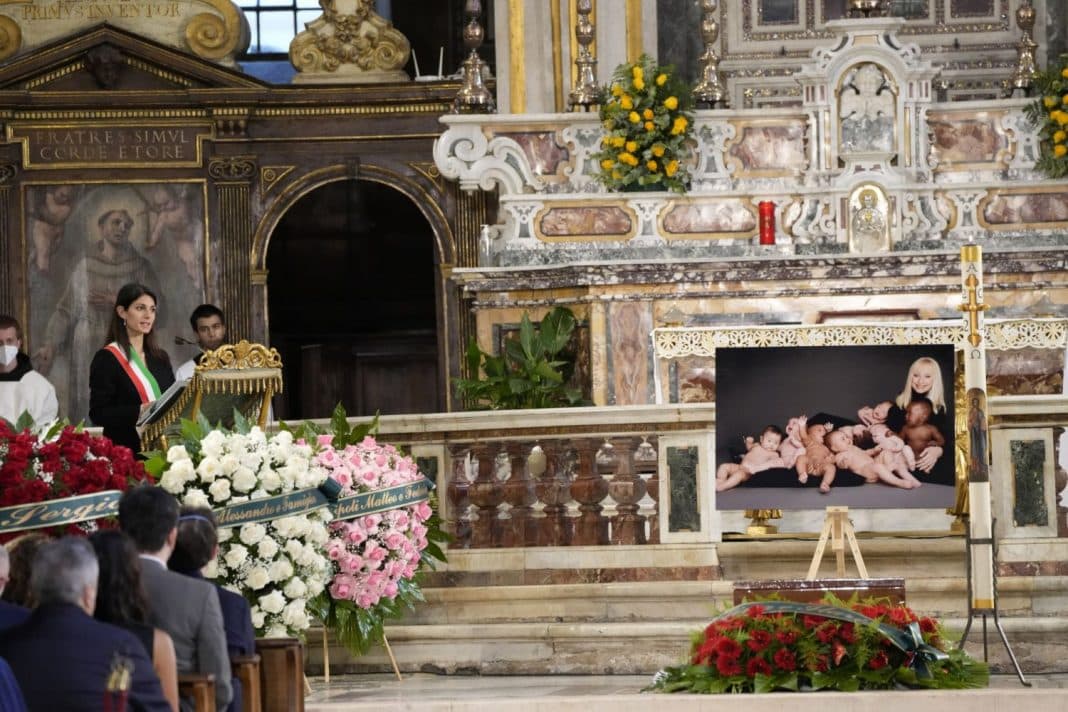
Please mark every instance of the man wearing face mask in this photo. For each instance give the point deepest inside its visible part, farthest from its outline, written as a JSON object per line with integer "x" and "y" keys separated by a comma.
{"x": 21, "y": 388}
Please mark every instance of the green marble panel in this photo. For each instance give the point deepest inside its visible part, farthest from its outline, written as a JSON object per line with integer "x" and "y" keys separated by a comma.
{"x": 683, "y": 513}
{"x": 1029, "y": 489}
{"x": 428, "y": 465}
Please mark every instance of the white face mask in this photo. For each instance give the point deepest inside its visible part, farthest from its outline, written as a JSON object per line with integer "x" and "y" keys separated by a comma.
{"x": 8, "y": 354}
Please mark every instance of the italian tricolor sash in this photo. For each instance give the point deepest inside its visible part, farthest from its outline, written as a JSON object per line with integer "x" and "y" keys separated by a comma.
{"x": 137, "y": 371}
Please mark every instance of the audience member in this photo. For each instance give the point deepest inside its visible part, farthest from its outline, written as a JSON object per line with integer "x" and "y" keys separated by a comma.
{"x": 62, "y": 657}
{"x": 10, "y": 614}
{"x": 21, "y": 550}
{"x": 120, "y": 600}
{"x": 22, "y": 390}
{"x": 198, "y": 545}
{"x": 10, "y": 694}
{"x": 184, "y": 607}
{"x": 209, "y": 324}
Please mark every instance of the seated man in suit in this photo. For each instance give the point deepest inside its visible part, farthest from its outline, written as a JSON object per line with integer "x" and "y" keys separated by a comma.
{"x": 10, "y": 614}
{"x": 62, "y": 657}
{"x": 184, "y": 607}
{"x": 197, "y": 545}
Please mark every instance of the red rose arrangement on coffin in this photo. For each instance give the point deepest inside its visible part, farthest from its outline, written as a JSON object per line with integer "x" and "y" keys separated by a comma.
{"x": 79, "y": 476}
{"x": 846, "y": 646}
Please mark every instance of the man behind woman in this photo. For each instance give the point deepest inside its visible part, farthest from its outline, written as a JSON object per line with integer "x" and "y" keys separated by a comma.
{"x": 197, "y": 545}
{"x": 184, "y": 607}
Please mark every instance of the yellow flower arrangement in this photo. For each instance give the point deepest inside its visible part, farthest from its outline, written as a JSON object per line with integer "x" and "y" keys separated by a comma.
{"x": 1048, "y": 114}
{"x": 648, "y": 130}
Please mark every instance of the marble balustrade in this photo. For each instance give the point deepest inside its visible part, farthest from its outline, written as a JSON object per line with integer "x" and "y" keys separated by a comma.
{"x": 596, "y": 477}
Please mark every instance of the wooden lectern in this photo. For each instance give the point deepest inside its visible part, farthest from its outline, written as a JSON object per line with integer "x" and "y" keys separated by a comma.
{"x": 241, "y": 377}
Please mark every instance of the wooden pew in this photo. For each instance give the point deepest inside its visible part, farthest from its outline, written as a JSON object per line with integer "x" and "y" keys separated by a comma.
{"x": 200, "y": 689}
{"x": 246, "y": 668}
{"x": 281, "y": 674}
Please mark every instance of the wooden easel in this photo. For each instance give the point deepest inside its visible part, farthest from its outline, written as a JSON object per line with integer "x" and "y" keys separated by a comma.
{"x": 838, "y": 528}
{"x": 326, "y": 661}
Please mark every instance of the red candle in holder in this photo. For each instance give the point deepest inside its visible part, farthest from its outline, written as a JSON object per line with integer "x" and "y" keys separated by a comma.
{"x": 767, "y": 222}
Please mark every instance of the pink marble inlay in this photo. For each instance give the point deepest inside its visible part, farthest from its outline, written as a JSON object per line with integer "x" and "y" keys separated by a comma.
{"x": 729, "y": 215}
{"x": 589, "y": 221}
{"x": 1032, "y": 208}
{"x": 629, "y": 324}
{"x": 962, "y": 140}
{"x": 777, "y": 148}
{"x": 542, "y": 151}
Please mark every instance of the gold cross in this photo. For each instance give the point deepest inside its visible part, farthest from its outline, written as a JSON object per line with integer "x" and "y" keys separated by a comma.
{"x": 973, "y": 307}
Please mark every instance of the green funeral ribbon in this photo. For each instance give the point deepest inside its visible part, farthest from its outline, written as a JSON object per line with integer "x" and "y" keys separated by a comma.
{"x": 919, "y": 656}
{"x": 59, "y": 512}
{"x": 291, "y": 504}
{"x": 87, "y": 507}
{"x": 325, "y": 495}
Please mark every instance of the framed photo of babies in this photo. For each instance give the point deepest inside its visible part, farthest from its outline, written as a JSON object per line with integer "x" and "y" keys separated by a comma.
{"x": 805, "y": 427}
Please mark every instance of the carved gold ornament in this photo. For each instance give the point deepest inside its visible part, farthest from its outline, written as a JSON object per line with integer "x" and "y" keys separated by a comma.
{"x": 349, "y": 35}
{"x": 241, "y": 355}
{"x": 214, "y": 36}
{"x": 10, "y": 37}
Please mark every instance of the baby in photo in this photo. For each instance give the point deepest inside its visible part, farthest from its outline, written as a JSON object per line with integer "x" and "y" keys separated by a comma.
{"x": 791, "y": 447}
{"x": 817, "y": 459}
{"x": 850, "y": 457}
{"x": 893, "y": 453}
{"x": 763, "y": 454}
{"x": 918, "y": 433}
{"x": 878, "y": 413}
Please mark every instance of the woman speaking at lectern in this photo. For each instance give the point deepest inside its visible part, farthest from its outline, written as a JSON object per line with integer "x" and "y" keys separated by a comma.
{"x": 131, "y": 370}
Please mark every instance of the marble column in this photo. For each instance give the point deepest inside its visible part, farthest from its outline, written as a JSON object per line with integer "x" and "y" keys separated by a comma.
{"x": 536, "y": 48}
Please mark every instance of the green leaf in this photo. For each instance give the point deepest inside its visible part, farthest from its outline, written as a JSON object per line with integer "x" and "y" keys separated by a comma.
{"x": 156, "y": 464}
{"x": 194, "y": 430}
{"x": 556, "y": 329}
{"x": 473, "y": 357}
{"x": 340, "y": 425}
{"x": 526, "y": 336}
{"x": 546, "y": 371}
{"x": 56, "y": 429}
{"x": 24, "y": 422}
{"x": 241, "y": 423}
{"x": 519, "y": 385}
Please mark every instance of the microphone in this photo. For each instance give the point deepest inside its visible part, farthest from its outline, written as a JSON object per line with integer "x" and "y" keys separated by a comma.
{"x": 182, "y": 341}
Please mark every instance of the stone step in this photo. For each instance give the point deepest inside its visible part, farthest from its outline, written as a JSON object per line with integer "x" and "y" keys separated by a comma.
{"x": 623, "y": 693}
{"x": 620, "y": 648}
{"x": 631, "y": 610}
{"x": 910, "y": 558}
{"x": 682, "y": 600}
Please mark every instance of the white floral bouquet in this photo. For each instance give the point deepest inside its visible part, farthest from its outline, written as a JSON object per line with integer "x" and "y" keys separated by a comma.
{"x": 277, "y": 565}
{"x": 374, "y": 554}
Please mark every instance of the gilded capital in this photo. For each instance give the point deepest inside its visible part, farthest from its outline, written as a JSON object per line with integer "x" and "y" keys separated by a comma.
{"x": 349, "y": 43}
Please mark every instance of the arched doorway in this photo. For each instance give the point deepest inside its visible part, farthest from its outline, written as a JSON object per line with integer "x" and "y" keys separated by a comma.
{"x": 351, "y": 303}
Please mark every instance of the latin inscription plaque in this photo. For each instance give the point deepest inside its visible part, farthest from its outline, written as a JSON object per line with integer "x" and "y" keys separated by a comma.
{"x": 87, "y": 146}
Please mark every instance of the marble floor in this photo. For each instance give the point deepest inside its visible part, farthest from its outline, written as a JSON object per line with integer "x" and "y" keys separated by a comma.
{"x": 621, "y": 693}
